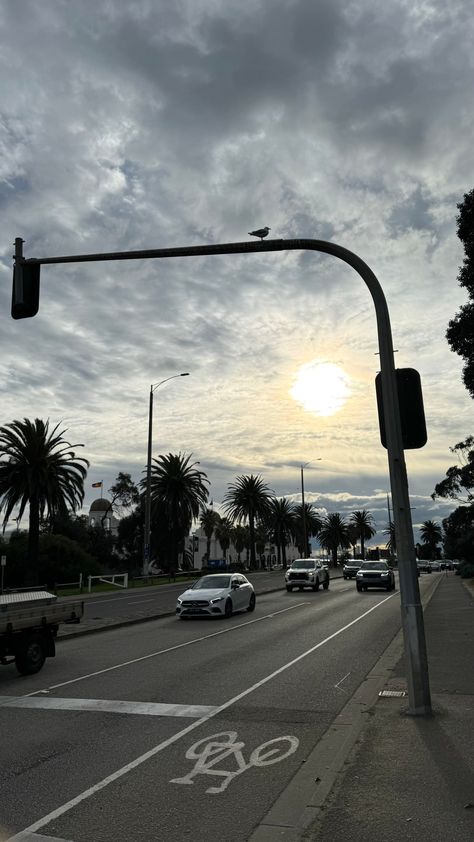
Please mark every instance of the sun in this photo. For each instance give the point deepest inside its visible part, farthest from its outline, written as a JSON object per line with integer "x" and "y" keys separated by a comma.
{"x": 322, "y": 388}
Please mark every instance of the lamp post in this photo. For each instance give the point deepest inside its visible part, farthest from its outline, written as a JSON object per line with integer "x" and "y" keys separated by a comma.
{"x": 146, "y": 536}
{"x": 303, "y": 513}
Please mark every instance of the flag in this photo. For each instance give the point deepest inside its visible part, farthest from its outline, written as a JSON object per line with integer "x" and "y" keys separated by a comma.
{"x": 97, "y": 484}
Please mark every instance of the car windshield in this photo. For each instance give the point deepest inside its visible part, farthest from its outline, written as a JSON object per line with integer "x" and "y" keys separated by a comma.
{"x": 209, "y": 582}
{"x": 303, "y": 564}
{"x": 374, "y": 565}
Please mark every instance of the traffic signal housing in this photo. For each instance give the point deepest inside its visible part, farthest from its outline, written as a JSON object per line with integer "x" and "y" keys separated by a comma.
{"x": 412, "y": 412}
{"x": 26, "y": 290}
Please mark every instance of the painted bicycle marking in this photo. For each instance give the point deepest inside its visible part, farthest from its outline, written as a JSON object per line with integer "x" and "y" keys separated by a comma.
{"x": 212, "y": 750}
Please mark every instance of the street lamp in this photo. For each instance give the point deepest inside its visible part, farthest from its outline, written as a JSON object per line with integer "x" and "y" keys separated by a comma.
{"x": 303, "y": 513}
{"x": 147, "y": 535}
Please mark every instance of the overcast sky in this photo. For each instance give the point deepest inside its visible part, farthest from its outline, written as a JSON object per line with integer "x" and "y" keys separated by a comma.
{"x": 160, "y": 123}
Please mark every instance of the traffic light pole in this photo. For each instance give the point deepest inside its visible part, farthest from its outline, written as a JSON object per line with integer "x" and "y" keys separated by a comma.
{"x": 411, "y": 610}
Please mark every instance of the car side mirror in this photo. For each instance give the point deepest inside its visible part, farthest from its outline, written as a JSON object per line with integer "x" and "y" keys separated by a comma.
{"x": 235, "y": 585}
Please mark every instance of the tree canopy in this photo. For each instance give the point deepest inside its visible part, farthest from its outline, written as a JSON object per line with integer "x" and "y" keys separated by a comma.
{"x": 460, "y": 332}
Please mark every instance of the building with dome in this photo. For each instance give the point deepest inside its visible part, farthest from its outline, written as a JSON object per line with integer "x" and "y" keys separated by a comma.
{"x": 101, "y": 515}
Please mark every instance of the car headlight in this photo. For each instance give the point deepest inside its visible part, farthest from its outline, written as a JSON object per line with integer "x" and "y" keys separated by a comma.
{"x": 216, "y": 599}
{"x": 178, "y": 601}
{"x": 385, "y": 574}
{"x": 359, "y": 574}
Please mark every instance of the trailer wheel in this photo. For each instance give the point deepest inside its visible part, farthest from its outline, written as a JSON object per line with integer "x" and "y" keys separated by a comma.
{"x": 31, "y": 655}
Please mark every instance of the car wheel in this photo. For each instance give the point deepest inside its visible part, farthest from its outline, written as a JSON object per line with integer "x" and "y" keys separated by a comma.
{"x": 32, "y": 655}
{"x": 345, "y": 577}
{"x": 300, "y": 587}
{"x": 326, "y": 584}
{"x": 228, "y": 609}
{"x": 289, "y": 588}
{"x": 365, "y": 588}
{"x": 388, "y": 588}
{"x": 316, "y": 585}
{"x": 359, "y": 588}
{"x": 251, "y": 605}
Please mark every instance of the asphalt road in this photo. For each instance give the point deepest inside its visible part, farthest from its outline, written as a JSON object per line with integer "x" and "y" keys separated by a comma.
{"x": 172, "y": 731}
{"x": 141, "y": 602}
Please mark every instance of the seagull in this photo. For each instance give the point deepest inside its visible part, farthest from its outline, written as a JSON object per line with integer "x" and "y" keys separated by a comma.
{"x": 260, "y": 232}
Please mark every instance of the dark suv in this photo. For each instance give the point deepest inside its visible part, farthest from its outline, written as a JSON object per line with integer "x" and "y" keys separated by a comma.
{"x": 375, "y": 574}
{"x": 350, "y": 569}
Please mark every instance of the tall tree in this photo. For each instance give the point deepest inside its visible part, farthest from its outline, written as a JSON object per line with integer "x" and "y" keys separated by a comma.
{"x": 310, "y": 526}
{"x": 431, "y": 535}
{"x": 246, "y": 500}
{"x": 209, "y": 520}
{"x": 240, "y": 539}
{"x": 224, "y": 534}
{"x": 281, "y": 522}
{"x": 178, "y": 491}
{"x": 458, "y": 483}
{"x": 363, "y": 521}
{"x": 334, "y": 534}
{"x": 38, "y": 468}
{"x": 460, "y": 332}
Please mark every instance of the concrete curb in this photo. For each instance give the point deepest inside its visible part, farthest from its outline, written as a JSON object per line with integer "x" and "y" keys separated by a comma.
{"x": 302, "y": 801}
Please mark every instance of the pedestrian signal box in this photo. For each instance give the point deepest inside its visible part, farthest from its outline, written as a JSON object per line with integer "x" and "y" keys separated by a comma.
{"x": 412, "y": 413}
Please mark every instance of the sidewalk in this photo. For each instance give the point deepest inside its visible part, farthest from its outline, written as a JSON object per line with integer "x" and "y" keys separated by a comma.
{"x": 412, "y": 778}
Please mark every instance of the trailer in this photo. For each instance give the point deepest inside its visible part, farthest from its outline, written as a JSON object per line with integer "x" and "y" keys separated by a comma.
{"x": 28, "y": 627}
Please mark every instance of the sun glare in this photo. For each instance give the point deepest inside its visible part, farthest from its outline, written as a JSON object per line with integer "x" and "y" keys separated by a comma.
{"x": 322, "y": 388}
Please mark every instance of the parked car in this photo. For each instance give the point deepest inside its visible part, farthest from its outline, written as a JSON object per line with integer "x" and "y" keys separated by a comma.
{"x": 216, "y": 595}
{"x": 375, "y": 574}
{"x": 307, "y": 573}
{"x": 350, "y": 569}
{"x": 435, "y": 566}
{"x": 423, "y": 565}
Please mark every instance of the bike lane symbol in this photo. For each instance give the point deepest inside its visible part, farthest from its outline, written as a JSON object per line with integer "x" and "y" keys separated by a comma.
{"x": 212, "y": 750}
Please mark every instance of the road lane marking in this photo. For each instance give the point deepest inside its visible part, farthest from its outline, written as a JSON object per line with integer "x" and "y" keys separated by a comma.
{"x": 124, "y": 770}
{"x": 212, "y": 750}
{"x": 173, "y": 648}
{"x": 36, "y": 837}
{"x": 338, "y": 687}
{"x": 107, "y": 706}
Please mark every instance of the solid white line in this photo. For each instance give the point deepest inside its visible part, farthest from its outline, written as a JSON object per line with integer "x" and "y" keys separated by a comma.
{"x": 107, "y": 706}
{"x": 172, "y": 648}
{"x": 192, "y": 727}
{"x": 24, "y": 836}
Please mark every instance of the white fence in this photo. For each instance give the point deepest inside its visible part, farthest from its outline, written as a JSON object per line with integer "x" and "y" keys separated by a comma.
{"x": 109, "y": 580}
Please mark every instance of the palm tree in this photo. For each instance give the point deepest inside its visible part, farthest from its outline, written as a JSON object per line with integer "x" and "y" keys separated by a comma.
{"x": 224, "y": 534}
{"x": 240, "y": 539}
{"x": 363, "y": 522}
{"x": 39, "y": 469}
{"x": 334, "y": 534}
{"x": 391, "y": 544}
{"x": 432, "y": 535}
{"x": 281, "y": 522}
{"x": 209, "y": 521}
{"x": 353, "y": 535}
{"x": 247, "y": 499}
{"x": 178, "y": 491}
{"x": 312, "y": 525}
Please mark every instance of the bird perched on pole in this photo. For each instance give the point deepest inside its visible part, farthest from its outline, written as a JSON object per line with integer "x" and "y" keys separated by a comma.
{"x": 260, "y": 232}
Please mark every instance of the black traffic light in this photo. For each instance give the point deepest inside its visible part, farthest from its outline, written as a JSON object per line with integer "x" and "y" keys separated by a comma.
{"x": 412, "y": 413}
{"x": 26, "y": 290}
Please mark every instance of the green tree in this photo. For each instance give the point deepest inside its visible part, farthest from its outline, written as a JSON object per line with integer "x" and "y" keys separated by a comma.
{"x": 460, "y": 332}
{"x": 246, "y": 500}
{"x": 334, "y": 534}
{"x": 240, "y": 539}
{"x": 312, "y": 524}
{"x": 209, "y": 520}
{"x": 431, "y": 535}
{"x": 178, "y": 491}
{"x": 363, "y": 521}
{"x": 38, "y": 468}
{"x": 458, "y": 483}
{"x": 281, "y": 522}
{"x": 459, "y": 534}
{"x": 224, "y": 534}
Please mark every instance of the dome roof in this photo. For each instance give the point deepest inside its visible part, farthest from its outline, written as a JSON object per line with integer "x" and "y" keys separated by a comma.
{"x": 100, "y": 505}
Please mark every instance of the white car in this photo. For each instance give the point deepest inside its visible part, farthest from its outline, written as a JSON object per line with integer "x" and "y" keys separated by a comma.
{"x": 217, "y": 595}
{"x": 307, "y": 573}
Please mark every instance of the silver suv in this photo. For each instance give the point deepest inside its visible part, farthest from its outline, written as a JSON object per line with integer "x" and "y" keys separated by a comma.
{"x": 307, "y": 573}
